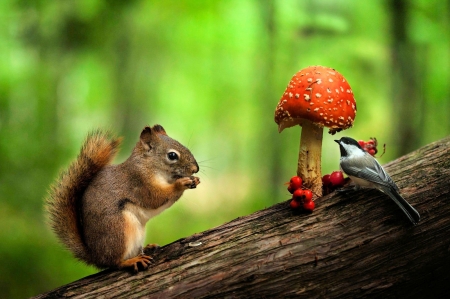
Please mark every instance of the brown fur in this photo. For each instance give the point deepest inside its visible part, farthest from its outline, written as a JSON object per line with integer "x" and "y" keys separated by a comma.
{"x": 99, "y": 211}
{"x": 64, "y": 199}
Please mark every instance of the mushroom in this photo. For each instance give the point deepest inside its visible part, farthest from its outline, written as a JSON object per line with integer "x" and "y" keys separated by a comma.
{"x": 316, "y": 97}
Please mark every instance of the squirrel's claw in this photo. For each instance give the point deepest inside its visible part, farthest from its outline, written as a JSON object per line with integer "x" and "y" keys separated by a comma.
{"x": 141, "y": 260}
{"x": 195, "y": 182}
{"x": 188, "y": 182}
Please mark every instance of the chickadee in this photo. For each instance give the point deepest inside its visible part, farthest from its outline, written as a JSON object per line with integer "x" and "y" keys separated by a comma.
{"x": 365, "y": 171}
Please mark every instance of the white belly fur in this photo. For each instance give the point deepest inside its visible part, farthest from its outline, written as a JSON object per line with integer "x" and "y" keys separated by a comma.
{"x": 135, "y": 219}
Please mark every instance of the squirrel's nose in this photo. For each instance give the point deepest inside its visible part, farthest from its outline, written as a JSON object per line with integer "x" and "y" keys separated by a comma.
{"x": 195, "y": 168}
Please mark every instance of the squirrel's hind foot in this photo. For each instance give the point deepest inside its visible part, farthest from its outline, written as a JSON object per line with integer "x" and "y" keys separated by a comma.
{"x": 139, "y": 262}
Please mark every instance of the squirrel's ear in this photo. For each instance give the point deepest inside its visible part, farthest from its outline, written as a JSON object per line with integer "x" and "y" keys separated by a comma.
{"x": 159, "y": 129}
{"x": 148, "y": 135}
{"x": 146, "y": 138}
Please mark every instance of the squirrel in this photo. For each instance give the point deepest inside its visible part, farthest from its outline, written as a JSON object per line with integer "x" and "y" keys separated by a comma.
{"x": 99, "y": 211}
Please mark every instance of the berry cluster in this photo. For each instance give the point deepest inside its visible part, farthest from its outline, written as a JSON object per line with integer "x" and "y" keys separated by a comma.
{"x": 369, "y": 146}
{"x": 300, "y": 197}
{"x": 332, "y": 181}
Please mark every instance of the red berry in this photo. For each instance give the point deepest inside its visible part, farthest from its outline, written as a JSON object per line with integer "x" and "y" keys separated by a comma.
{"x": 326, "y": 180}
{"x": 308, "y": 195}
{"x": 294, "y": 204}
{"x": 295, "y": 183}
{"x": 362, "y": 143}
{"x": 371, "y": 142}
{"x": 309, "y": 205}
{"x": 372, "y": 151}
{"x": 290, "y": 189}
{"x": 337, "y": 178}
{"x": 298, "y": 195}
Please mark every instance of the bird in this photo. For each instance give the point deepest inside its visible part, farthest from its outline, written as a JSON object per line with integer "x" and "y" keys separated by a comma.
{"x": 365, "y": 171}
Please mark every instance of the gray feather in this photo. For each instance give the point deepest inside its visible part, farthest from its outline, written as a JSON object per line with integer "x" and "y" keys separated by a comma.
{"x": 366, "y": 167}
{"x": 412, "y": 213}
{"x": 365, "y": 170}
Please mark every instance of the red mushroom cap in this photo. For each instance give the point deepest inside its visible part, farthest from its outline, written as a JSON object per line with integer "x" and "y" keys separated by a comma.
{"x": 319, "y": 94}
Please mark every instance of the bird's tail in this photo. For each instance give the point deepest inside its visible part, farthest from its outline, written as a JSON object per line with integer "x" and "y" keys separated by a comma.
{"x": 412, "y": 213}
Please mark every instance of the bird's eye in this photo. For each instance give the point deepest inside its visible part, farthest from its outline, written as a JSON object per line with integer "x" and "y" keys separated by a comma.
{"x": 172, "y": 156}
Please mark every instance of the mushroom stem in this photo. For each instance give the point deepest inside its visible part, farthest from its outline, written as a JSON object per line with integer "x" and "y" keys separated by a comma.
{"x": 309, "y": 167}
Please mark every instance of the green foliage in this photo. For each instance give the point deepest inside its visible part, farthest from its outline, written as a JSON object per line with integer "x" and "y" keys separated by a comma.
{"x": 211, "y": 72}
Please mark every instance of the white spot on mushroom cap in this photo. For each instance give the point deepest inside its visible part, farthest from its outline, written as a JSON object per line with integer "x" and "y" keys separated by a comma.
{"x": 327, "y": 107}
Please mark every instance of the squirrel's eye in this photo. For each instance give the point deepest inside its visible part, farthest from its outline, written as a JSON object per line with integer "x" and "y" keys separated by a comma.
{"x": 172, "y": 156}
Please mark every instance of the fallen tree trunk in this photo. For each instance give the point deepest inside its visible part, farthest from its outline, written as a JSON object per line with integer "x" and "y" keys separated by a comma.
{"x": 357, "y": 244}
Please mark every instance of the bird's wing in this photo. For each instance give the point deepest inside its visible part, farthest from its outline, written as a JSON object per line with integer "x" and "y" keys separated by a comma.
{"x": 367, "y": 168}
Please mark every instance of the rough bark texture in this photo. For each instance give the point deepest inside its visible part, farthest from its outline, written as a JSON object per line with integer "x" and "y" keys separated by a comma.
{"x": 353, "y": 245}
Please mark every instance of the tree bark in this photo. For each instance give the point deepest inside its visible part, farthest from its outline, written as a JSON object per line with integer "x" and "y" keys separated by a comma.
{"x": 357, "y": 244}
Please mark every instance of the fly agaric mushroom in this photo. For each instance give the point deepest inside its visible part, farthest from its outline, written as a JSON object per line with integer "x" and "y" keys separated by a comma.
{"x": 316, "y": 97}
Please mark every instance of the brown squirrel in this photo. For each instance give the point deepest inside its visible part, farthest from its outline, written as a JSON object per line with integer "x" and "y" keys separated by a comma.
{"x": 99, "y": 211}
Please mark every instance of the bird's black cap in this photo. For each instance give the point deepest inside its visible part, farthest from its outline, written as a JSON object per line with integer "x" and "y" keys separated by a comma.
{"x": 348, "y": 140}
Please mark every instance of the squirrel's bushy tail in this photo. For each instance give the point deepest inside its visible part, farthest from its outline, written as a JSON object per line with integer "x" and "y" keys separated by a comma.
{"x": 63, "y": 202}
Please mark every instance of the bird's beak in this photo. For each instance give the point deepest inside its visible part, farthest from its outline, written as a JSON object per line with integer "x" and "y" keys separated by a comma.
{"x": 338, "y": 141}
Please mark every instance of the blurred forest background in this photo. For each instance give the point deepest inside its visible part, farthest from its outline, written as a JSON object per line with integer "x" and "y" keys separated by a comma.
{"x": 211, "y": 72}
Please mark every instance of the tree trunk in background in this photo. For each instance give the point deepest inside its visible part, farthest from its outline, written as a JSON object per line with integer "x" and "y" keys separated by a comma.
{"x": 406, "y": 87}
{"x": 127, "y": 110}
{"x": 353, "y": 245}
{"x": 270, "y": 99}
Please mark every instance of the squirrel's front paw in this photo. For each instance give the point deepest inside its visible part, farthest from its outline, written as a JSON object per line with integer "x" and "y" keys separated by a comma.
{"x": 189, "y": 182}
{"x": 195, "y": 182}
